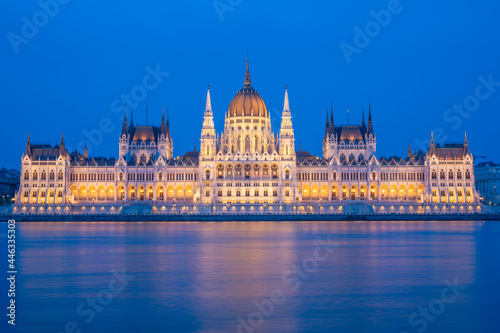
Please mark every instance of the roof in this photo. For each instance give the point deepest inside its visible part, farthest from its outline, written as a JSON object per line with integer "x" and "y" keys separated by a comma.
{"x": 488, "y": 164}
{"x": 144, "y": 133}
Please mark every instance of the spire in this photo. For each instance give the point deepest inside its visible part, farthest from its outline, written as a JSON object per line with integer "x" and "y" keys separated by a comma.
{"x": 208, "y": 107}
{"x": 363, "y": 121}
{"x": 85, "y": 152}
{"x": 286, "y": 106}
{"x": 62, "y": 147}
{"x": 168, "y": 124}
{"x": 409, "y": 155}
{"x": 163, "y": 129}
{"x": 432, "y": 144}
{"x": 28, "y": 146}
{"x": 370, "y": 124}
{"x": 466, "y": 143}
{"x": 332, "y": 124}
{"x": 124, "y": 126}
{"x": 300, "y": 146}
{"x": 327, "y": 128}
{"x": 248, "y": 81}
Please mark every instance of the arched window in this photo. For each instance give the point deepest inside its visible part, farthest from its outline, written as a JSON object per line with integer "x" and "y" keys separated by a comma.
{"x": 247, "y": 170}
{"x": 334, "y": 176}
{"x": 160, "y": 177}
{"x": 229, "y": 169}
{"x": 52, "y": 175}
{"x": 450, "y": 174}
{"x": 434, "y": 174}
{"x": 274, "y": 171}
{"x": 238, "y": 169}
{"x": 374, "y": 175}
{"x": 26, "y": 175}
{"x": 247, "y": 144}
{"x": 44, "y": 175}
{"x": 265, "y": 170}
{"x": 60, "y": 175}
{"x": 287, "y": 174}
{"x": 442, "y": 175}
{"x": 207, "y": 174}
{"x": 256, "y": 170}
{"x": 220, "y": 171}
{"x": 459, "y": 175}
{"x": 120, "y": 176}
{"x": 467, "y": 174}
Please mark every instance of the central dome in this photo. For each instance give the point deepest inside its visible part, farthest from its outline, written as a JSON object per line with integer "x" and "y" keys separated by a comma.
{"x": 247, "y": 102}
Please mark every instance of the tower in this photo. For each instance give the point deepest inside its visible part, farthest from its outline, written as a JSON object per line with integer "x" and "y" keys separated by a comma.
{"x": 207, "y": 154}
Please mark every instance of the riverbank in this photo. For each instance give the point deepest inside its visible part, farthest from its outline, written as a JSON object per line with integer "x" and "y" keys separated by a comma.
{"x": 246, "y": 217}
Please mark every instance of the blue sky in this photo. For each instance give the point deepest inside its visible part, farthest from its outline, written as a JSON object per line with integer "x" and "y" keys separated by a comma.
{"x": 70, "y": 72}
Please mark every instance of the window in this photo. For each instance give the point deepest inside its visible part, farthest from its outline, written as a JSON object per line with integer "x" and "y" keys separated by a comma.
{"x": 334, "y": 175}
{"x": 450, "y": 174}
{"x": 229, "y": 193}
{"x": 434, "y": 175}
{"x": 374, "y": 175}
{"x": 26, "y": 175}
{"x": 247, "y": 193}
{"x": 207, "y": 176}
{"x": 220, "y": 171}
{"x": 207, "y": 193}
{"x": 274, "y": 170}
{"x": 44, "y": 175}
{"x": 120, "y": 176}
{"x": 266, "y": 193}
{"x": 256, "y": 193}
{"x": 275, "y": 193}
{"x": 287, "y": 174}
{"x": 467, "y": 174}
{"x": 52, "y": 176}
{"x": 441, "y": 174}
{"x": 238, "y": 193}
{"x": 219, "y": 193}
{"x": 287, "y": 193}
{"x": 160, "y": 176}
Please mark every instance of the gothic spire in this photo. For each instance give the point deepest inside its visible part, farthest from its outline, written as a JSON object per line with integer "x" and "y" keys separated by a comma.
{"x": 466, "y": 143}
{"x": 363, "y": 121}
{"x": 370, "y": 124}
{"x": 409, "y": 155}
{"x": 85, "y": 152}
{"x": 163, "y": 128}
{"x": 28, "y": 146}
{"x": 124, "y": 126}
{"x": 208, "y": 106}
{"x": 62, "y": 147}
{"x": 286, "y": 106}
{"x": 248, "y": 81}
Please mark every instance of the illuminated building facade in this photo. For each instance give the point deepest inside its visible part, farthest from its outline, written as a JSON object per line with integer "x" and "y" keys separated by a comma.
{"x": 247, "y": 169}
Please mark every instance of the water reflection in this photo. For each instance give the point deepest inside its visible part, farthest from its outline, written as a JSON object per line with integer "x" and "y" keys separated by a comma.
{"x": 201, "y": 277}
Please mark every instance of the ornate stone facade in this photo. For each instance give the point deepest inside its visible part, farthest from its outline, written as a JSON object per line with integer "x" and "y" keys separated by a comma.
{"x": 247, "y": 169}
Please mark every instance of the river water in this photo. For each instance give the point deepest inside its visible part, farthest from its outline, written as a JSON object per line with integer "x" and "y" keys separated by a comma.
{"x": 258, "y": 277}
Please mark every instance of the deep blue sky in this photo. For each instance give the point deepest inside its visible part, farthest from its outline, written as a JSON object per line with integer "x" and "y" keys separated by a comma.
{"x": 426, "y": 59}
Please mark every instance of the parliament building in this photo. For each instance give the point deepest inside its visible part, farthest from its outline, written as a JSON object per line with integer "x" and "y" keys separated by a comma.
{"x": 247, "y": 169}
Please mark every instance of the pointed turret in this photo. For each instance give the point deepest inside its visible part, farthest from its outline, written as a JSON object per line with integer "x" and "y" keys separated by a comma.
{"x": 62, "y": 147}
{"x": 286, "y": 105}
{"x": 28, "y": 146}
{"x": 208, "y": 105}
{"x": 327, "y": 129}
{"x": 163, "y": 128}
{"x": 332, "y": 122}
{"x": 466, "y": 144}
{"x": 85, "y": 152}
{"x": 125, "y": 125}
{"x": 248, "y": 81}
{"x": 168, "y": 124}
{"x": 409, "y": 154}
{"x": 370, "y": 124}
